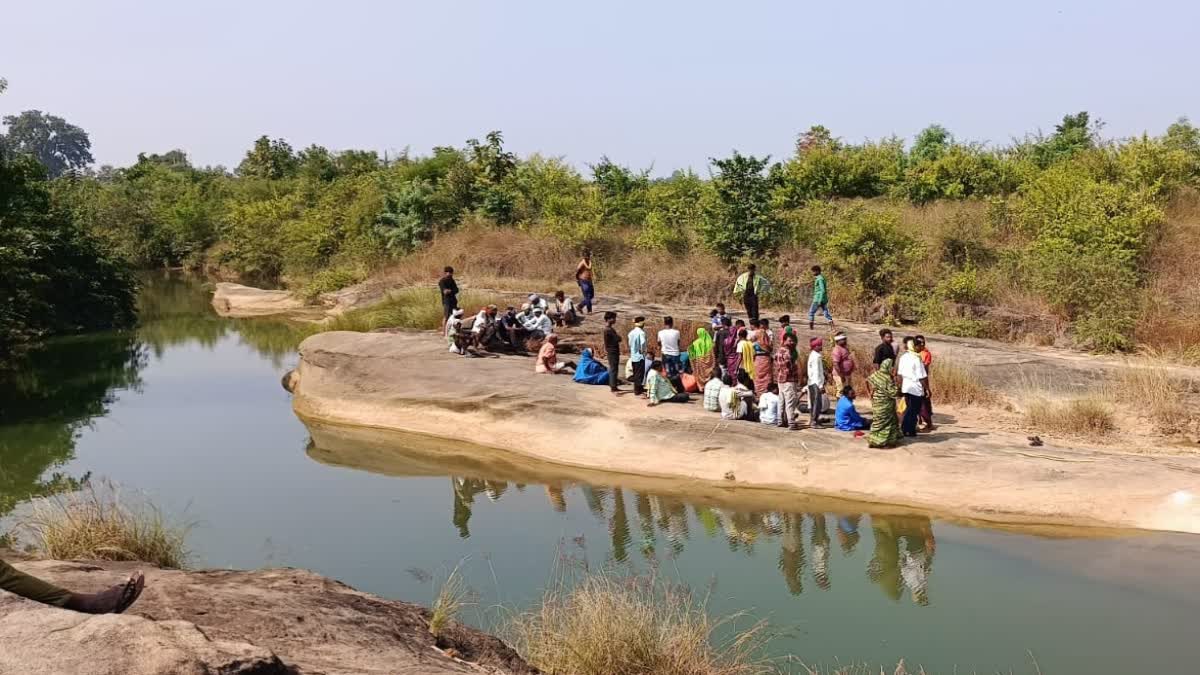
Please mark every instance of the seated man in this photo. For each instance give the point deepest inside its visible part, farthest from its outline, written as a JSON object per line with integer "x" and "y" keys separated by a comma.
{"x": 737, "y": 400}
{"x": 512, "y": 330}
{"x": 564, "y": 310}
{"x": 712, "y": 394}
{"x": 483, "y": 331}
{"x": 536, "y": 301}
{"x": 540, "y": 325}
{"x": 454, "y": 332}
{"x": 547, "y": 359}
{"x": 660, "y": 389}
{"x": 846, "y": 418}
{"x": 768, "y": 405}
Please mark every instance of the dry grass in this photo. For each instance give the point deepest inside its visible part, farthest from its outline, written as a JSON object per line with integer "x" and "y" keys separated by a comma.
{"x": 602, "y": 624}
{"x": 1089, "y": 416}
{"x": 418, "y": 308}
{"x": 953, "y": 384}
{"x": 1155, "y": 394}
{"x": 452, "y": 596}
{"x": 97, "y": 524}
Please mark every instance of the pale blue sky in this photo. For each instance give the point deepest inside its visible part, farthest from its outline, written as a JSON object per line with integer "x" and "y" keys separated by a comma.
{"x": 662, "y": 83}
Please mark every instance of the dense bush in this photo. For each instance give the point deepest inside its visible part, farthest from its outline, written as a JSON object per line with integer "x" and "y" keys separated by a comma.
{"x": 868, "y": 249}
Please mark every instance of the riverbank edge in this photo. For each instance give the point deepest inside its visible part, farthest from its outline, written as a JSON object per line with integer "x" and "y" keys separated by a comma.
{"x": 375, "y": 381}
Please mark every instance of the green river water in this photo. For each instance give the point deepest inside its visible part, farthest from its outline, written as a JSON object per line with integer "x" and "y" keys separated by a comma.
{"x": 189, "y": 410}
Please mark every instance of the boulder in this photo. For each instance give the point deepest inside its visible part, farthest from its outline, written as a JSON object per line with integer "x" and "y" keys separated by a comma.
{"x": 234, "y": 623}
{"x": 238, "y": 301}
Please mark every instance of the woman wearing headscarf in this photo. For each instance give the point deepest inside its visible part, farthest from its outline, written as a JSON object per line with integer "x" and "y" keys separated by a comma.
{"x": 700, "y": 356}
{"x": 733, "y": 357}
{"x": 885, "y": 424}
{"x": 763, "y": 372}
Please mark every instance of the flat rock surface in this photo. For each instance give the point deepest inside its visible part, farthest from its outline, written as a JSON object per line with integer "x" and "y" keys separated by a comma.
{"x": 264, "y": 622}
{"x": 968, "y": 468}
{"x": 238, "y": 301}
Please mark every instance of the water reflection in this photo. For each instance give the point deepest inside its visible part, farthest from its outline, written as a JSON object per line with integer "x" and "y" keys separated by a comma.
{"x": 639, "y": 522}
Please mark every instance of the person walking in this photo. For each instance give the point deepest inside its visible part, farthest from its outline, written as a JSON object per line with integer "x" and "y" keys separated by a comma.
{"x": 914, "y": 384}
{"x": 751, "y": 286}
{"x": 820, "y": 298}
{"x": 637, "y": 354}
{"x": 584, "y": 277}
{"x": 816, "y": 382}
{"x": 668, "y": 344}
{"x": 612, "y": 346}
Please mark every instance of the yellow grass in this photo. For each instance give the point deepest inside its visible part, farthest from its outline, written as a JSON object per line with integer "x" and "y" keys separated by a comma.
{"x": 601, "y": 624}
{"x": 1088, "y": 416}
{"x": 1154, "y": 393}
{"x": 97, "y": 524}
{"x": 953, "y": 384}
{"x": 418, "y": 308}
{"x": 451, "y": 598}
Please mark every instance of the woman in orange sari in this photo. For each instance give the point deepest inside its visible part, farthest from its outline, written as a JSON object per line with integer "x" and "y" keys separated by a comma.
{"x": 701, "y": 356}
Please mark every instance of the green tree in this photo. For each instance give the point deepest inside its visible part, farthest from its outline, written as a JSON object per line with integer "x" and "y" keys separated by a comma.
{"x": 59, "y": 145}
{"x": 740, "y": 221}
{"x": 931, "y": 143}
{"x": 622, "y": 192}
{"x": 270, "y": 160}
{"x": 316, "y": 163}
{"x": 492, "y": 165}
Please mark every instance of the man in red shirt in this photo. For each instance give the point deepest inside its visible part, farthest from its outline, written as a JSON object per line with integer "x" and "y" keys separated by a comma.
{"x": 843, "y": 362}
{"x": 790, "y": 383}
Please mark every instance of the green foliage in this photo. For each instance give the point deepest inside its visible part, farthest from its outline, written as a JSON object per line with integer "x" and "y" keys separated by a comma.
{"x": 538, "y": 181}
{"x": 868, "y": 249}
{"x": 407, "y": 217}
{"x": 269, "y": 160}
{"x": 740, "y": 222}
{"x": 675, "y": 209}
{"x": 933, "y": 142}
{"x": 1074, "y": 134}
{"x": 575, "y": 218}
{"x": 622, "y": 192}
{"x": 59, "y": 145}
{"x": 824, "y": 168}
{"x": 54, "y": 277}
{"x": 332, "y": 279}
{"x": 952, "y": 172}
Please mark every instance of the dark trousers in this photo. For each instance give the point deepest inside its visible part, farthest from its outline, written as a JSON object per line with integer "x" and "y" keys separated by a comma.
{"x": 750, "y": 302}
{"x": 614, "y": 370}
{"x": 672, "y": 365}
{"x": 33, "y": 588}
{"x": 912, "y": 412}
{"x": 816, "y": 403}
{"x": 926, "y": 410}
{"x": 639, "y": 377}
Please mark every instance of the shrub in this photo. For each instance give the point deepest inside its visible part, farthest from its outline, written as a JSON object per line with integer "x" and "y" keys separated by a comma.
{"x": 332, "y": 279}
{"x": 1080, "y": 417}
{"x": 958, "y": 172}
{"x": 95, "y": 524}
{"x": 827, "y": 170}
{"x": 740, "y": 221}
{"x": 602, "y": 624}
{"x": 869, "y": 249}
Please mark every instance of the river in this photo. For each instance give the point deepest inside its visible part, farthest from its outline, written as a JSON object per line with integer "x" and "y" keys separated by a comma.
{"x": 188, "y": 410}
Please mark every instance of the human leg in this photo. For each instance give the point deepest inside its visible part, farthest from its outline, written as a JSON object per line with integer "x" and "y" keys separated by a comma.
{"x": 926, "y": 416}
{"x": 812, "y": 313}
{"x": 912, "y": 410}
{"x": 750, "y": 302}
{"x": 828, "y": 316}
{"x": 789, "y": 411}
{"x": 672, "y": 364}
{"x": 614, "y": 369}
{"x": 639, "y": 377}
{"x": 17, "y": 582}
{"x": 815, "y": 404}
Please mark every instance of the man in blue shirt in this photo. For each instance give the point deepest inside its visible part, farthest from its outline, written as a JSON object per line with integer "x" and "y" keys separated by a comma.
{"x": 637, "y": 354}
{"x": 846, "y": 418}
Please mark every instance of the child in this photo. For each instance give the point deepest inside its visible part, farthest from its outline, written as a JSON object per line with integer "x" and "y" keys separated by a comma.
{"x": 820, "y": 299}
{"x": 716, "y": 316}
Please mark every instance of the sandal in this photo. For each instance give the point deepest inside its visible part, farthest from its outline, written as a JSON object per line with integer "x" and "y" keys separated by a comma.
{"x": 130, "y": 593}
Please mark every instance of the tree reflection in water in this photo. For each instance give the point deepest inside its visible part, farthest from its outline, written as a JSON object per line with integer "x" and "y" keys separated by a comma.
{"x": 902, "y": 557}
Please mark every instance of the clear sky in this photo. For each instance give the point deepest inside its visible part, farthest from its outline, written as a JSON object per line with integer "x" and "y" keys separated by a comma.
{"x": 659, "y": 83}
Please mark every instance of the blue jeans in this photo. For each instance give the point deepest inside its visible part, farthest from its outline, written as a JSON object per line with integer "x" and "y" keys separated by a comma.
{"x": 672, "y": 365}
{"x": 589, "y": 291}
{"x": 812, "y": 311}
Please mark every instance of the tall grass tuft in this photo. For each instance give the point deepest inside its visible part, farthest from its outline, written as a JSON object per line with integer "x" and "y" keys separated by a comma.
{"x": 451, "y": 598}
{"x": 953, "y": 384}
{"x": 95, "y": 523}
{"x": 417, "y": 308}
{"x": 600, "y": 624}
{"x": 1155, "y": 393}
{"x": 1090, "y": 416}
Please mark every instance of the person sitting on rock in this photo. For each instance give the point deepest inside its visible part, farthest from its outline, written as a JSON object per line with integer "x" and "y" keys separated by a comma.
{"x": 846, "y": 418}
{"x": 564, "y": 310}
{"x": 483, "y": 330}
{"x": 455, "y": 336}
{"x": 114, "y": 600}
{"x": 540, "y": 325}
{"x": 547, "y": 359}
{"x": 538, "y": 302}
{"x": 660, "y": 389}
{"x": 512, "y": 329}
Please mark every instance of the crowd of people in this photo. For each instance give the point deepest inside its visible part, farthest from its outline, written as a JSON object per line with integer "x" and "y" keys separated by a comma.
{"x": 743, "y": 369}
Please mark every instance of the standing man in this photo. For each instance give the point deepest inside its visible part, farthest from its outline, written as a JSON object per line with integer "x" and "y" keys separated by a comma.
{"x": 820, "y": 299}
{"x": 612, "y": 346}
{"x": 884, "y": 350}
{"x": 751, "y": 286}
{"x": 788, "y": 377}
{"x": 637, "y": 354}
{"x": 668, "y": 344}
{"x": 448, "y": 289}
{"x": 843, "y": 362}
{"x": 914, "y": 384}
{"x": 583, "y": 276}
{"x": 816, "y": 382}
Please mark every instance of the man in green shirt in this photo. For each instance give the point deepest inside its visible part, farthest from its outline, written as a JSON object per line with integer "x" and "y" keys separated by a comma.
{"x": 750, "y": 287}
{"x": 820, "y": 299}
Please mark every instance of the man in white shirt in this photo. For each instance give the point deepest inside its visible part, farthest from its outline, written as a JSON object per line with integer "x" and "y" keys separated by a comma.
{"x": 735, "y": 400}
{"x": 564, "y": 310}
{"x": 637, "y": 355}
{"x": 483, "y": 331}
{"x": 914, "y": 384}
{"x": 536, "y": 301}
{"x": 540, "y": 325}
{"x": 768, "y": 405}
{"x": 668, "y": 343}
{"x": 816, "y": 382}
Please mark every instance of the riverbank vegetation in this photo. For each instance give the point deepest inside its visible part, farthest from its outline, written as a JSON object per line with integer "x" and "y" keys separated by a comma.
{"x": 98, "y": 523}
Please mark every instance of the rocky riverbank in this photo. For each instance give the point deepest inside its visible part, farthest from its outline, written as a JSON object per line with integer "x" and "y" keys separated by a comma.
{"x": 969, "y": 468}
{"x": 265, "y": 622}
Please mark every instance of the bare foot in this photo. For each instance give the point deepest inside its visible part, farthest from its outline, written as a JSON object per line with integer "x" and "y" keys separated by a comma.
{"x": 115, "y": 600}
